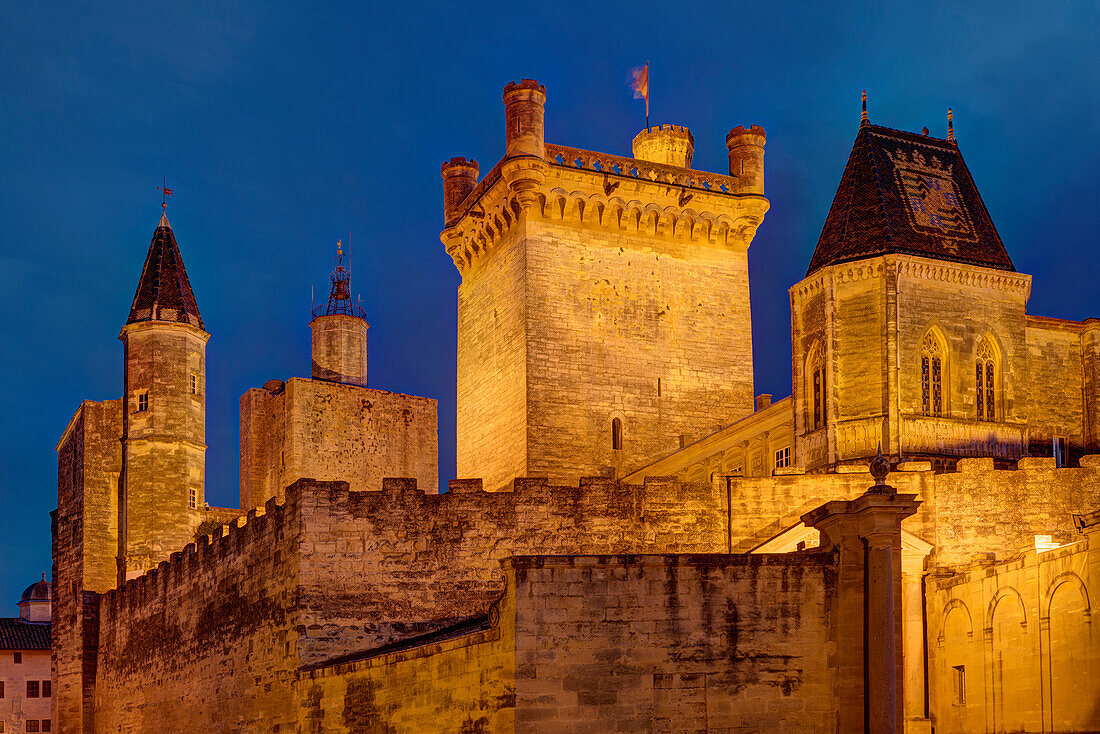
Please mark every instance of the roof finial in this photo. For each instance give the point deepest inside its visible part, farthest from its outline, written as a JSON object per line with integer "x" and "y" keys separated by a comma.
{"x": 165, "y": 193}
{"x": 863, "y": 115}
{"x": 339, "y": 251}
{"x": 950, "y": 125}
{"x": 43, "y": 575}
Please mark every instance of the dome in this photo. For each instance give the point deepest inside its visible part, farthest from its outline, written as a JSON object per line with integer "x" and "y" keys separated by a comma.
{"x": 38, "y": 591}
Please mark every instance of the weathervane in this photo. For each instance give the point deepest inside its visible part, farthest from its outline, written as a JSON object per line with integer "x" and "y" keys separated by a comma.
{"x": 166, "y": 192}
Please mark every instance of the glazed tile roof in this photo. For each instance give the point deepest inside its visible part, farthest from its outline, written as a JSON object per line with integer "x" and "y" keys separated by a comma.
{"x": 15, "y": 634}
{"x": 907, "y": 193}
{"x": 164, "y": 292}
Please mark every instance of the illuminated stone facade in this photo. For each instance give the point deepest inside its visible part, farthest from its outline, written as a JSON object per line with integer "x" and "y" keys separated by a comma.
{"x": 636, "y": 542}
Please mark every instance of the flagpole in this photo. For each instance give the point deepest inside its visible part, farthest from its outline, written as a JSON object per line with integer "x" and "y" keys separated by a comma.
{"x": 647, "y": 96}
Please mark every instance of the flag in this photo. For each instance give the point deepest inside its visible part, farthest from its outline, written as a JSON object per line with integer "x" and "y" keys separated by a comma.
{"x": 641, "y": 85}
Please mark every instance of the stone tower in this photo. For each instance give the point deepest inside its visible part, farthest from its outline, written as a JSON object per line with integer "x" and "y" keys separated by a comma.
{"x": 340, "y": 333}
{"x": 909, "y": 300}
{"x": 164, "y": 412}
{"x": 603, "y": 313}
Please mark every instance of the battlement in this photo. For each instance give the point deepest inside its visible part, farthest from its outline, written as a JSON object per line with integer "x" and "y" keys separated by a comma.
{"x": 523, "y": 85}
{"x": 200, "y": 556}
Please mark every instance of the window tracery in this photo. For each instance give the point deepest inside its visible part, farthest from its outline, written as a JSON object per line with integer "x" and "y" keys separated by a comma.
{"x": 985, "y": 374}
{"x": 932, "y": 362}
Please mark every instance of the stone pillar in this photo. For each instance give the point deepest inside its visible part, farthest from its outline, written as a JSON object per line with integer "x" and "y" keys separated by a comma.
{"x": 867, "y": 533}
{"x": 912, "y": 630}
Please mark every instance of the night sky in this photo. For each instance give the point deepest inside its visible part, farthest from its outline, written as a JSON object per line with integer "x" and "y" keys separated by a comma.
{"x": 285, "y": 127}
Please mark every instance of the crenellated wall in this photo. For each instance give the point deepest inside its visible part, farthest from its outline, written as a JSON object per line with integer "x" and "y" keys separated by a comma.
{"x": 207, "y": 640}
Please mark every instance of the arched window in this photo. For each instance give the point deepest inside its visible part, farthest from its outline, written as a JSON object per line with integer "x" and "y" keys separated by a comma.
{"x": 931, "y": 375}
{"x": 815, "y": 388}
{"x": 616, "y": 434}
{"x": 985, "y": 380}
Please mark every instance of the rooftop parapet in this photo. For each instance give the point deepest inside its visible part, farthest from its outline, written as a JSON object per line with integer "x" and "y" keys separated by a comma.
{"x": 670, "y": 145}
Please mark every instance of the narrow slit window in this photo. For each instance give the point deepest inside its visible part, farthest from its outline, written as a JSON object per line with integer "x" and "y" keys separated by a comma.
{"x": 194, "y": 384}
{"x": 616, "y": 434}
{"x": 819, "y": 399}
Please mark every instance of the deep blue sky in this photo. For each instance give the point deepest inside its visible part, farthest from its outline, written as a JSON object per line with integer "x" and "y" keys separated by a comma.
{"x": 284, "y": 127}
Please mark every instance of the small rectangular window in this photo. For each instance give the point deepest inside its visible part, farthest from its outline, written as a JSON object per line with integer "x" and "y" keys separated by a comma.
{"x": 783, "y": 457}
{"x": 194, "y": 501}
{"x": 46, "y": 726}
{"x": 142, "y": 401}
{"x": 194, "y": 384}
{"x": 32, "y": 725}
{"x": 1, "y": 689}
{"x": 47, "y": 689}
{"x": 958, "y": 684}
{"x": 17, "y": 657}
{"x": 32, "y": 689}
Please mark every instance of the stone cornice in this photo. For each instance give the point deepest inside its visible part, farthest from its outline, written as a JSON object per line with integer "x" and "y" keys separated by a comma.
{"x": 914, "y": 267}
{"x": 662, "y": 202}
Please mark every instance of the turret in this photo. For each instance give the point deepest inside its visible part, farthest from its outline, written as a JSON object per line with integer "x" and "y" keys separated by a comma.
{"x": 340, "y": 332}
{"x": 164, "y": 411}
{"x": 670, "y": 145}
{"x": 524, "y": 106}
{"x": 746, "y": 150}
{"x": 459, "y": 179}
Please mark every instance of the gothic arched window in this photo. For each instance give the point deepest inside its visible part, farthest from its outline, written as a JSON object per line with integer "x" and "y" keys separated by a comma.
{"x": 985, "y": 380}
{"x": 931, "y": 367}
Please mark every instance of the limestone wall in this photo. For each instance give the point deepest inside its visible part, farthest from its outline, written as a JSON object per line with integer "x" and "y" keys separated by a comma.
{"x": 376, "y": 566}
{"x": 492, "y": 366}
{"x": 674, "y": 643}
{"x": 329, "y": 431}
{"x": 206, "y": 641}
{"x": 463, "y": 684}
{"x": 1012, "y": 646}
{"x": 1056, "y": 396}
{"x": 85, "y": 546}
{"x": 611, "y": 313}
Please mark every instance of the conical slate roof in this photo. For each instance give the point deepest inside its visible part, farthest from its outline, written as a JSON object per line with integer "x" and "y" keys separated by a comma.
{"x": 164, "y": 293}
{"x": 905, "y": 193}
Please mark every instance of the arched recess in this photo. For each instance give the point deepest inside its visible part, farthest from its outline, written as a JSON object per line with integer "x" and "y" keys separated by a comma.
{"x": 814, "y": 377}
{"x": 959, "y": 689}
{"x": 1071, "y": 663}
{"x": 1013, "y": 680}
{"x": 988, "y": 379}
{"x": 934, "y": 368}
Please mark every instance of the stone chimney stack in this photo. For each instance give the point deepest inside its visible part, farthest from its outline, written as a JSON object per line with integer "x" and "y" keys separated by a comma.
{"x": 669, "y": 145}
{"x": 459, "y": 179}
{"x": 746, "y": 149}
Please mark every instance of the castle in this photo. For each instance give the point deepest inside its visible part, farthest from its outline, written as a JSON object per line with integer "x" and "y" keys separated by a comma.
{"x": 906, "y": 543}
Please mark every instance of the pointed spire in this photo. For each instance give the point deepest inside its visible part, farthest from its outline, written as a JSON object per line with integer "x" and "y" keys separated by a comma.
{"x": 863, "y": 115}
{"x": 164, "y": 292}
{"x": 950, "y": 125}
